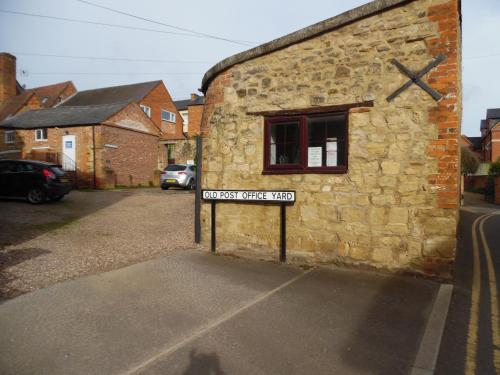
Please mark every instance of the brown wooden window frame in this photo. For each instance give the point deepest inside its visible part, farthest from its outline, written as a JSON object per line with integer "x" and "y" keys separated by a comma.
{"x": 301, "y": 167}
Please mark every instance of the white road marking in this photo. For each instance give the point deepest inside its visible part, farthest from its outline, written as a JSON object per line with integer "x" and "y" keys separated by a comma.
{"x": 211, "y": 325}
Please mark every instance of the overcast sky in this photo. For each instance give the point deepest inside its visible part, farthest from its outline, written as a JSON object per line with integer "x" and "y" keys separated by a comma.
{"x": 186, "y": 58}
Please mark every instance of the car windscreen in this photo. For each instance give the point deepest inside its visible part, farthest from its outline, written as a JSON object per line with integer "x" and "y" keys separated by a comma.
{"x": 57, "y": 171}
{"x": 175, "y": 168}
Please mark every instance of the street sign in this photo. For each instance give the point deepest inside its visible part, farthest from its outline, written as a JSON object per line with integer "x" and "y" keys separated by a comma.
{"x": 283, "y": 198}
{"x": 276, "y": 196}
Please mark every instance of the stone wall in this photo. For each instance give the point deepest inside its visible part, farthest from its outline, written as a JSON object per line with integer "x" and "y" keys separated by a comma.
{"x": 184, "y": 151}
{"x": 396, "y": 207}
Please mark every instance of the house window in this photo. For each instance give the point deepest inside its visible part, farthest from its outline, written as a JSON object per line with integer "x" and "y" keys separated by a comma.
{"x": 146, "y": 109}
{"x": 185, "y": 121}
{"x": 167, "y": 116}
{"x": 10, "y": 136}
{"x": 41, "y": 134}
{"x": 306, "y": 144}
{"x": 185, "y": 117}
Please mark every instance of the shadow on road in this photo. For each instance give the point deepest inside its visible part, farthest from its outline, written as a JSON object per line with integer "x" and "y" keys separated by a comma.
{"x": 388, "y": 333}
{"x": 203, "y": 364}
{"x": 21, "y": 222}
{"x": 11, "y": 258}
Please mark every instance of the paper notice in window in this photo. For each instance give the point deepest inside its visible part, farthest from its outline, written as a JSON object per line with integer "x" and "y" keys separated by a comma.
{"x": 273, "y": 154}
{"x": 314, "y": 156}
{"x": 331, "y": 152}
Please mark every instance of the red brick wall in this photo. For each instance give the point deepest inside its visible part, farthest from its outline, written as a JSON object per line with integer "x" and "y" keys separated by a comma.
{"x": 133, "y": 117}
{"x": 158, "y": 99}
{"x": 51, "y": 149}
{"x": 7, "y": 76}
{"x": 447, "y": 114}
{"x": 497, "y": 190}
{"x": 466, "y": 143}
{"x": 495, "y": 144}
{"x": 32, "y": 103}
{"x": 213, "y": 97}
{"x": 195, "y": 113}
{"x": 132, "y": 160}
{"x": 135, "y": 156}
{"x": 68, "y": 91}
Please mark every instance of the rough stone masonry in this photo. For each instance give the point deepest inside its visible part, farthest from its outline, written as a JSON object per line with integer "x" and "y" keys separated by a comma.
{"x": 396, "y": 206}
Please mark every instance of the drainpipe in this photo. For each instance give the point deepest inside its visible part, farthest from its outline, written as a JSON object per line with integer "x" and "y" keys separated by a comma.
{"x": 93, "y": 158}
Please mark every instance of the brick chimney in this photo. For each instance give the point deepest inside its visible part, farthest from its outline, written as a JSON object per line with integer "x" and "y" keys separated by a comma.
{"x": 194, "y": 96}
{"x": 7, "y": 76}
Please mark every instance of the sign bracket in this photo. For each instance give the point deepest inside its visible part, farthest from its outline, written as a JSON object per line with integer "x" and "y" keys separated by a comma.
{"x": 249, "y": 196}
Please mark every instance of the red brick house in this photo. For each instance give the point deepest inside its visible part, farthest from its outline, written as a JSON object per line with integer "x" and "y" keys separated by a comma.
{"x": 15, "y": 99}
{"x": 490, "y": 132}
{"x": 156, "y": 102}
{"x": 472, "y": 143}
{"x": 105, "y": 145}
{"x": 52, "y": 95}
{"x": 191, "y": 111}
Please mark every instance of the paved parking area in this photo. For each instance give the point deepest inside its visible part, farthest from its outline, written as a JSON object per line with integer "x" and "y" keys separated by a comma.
{"x": 195, "y": 313}
{"x": 89, "y": 232}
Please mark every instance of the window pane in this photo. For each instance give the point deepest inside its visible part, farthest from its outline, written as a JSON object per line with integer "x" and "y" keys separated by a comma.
{"x": 175, "y": 168}
{"x": 326, "y": 141}
{"x": 284, "y": 144}
{"x": 57, "y": 171}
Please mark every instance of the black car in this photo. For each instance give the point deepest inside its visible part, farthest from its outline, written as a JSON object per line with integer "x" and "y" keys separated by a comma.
{"x": 34, "y": 180}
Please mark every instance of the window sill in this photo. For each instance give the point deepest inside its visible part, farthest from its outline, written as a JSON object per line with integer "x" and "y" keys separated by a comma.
{"x": 339, "y": 170}
{"x": 41, "y": 140}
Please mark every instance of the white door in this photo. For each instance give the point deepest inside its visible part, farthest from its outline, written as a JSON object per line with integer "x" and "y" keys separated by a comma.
{"x": 69, "y": 152}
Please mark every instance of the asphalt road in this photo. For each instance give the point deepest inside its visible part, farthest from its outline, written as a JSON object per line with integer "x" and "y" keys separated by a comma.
{"x": 471, "y": 341}
{"x": 195, "y": 313}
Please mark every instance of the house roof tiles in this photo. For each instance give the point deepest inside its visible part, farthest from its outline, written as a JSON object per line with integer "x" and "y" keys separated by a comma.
{"x": 49, "y": 95}
{"x": 476, "y": 142}
{"x": 63, "y": 116}
{"x": 493, "y": 113}
{"x": 14, "y": 105}
{"x": 110, "y": 95}
{"x": 184, "y": 104}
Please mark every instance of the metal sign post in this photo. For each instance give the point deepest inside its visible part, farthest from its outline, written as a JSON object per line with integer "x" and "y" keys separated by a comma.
{"x": 250, "y": 196}
{"x": 197, "y": 201}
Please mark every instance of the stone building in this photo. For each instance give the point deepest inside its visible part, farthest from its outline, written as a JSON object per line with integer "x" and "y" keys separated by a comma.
{"x": 375, "y": 169}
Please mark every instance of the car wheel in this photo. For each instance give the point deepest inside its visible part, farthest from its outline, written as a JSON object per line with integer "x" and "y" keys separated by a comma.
{"x": 58, "y": 198}
{"x": 190, "y": 185}
{"x": 164, "y": 188}
{"x": 35, "y": 196}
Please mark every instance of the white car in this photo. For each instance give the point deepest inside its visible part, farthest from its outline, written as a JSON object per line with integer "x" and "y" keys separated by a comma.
{"x": 178, "y": 175}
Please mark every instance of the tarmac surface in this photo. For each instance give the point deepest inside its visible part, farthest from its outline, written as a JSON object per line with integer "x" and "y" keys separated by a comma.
{"x": 471, "y": 339}
{"x": 195, "y": 313}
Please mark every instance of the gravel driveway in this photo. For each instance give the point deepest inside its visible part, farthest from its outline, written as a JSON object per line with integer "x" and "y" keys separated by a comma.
{"x": 89, "y": 232}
